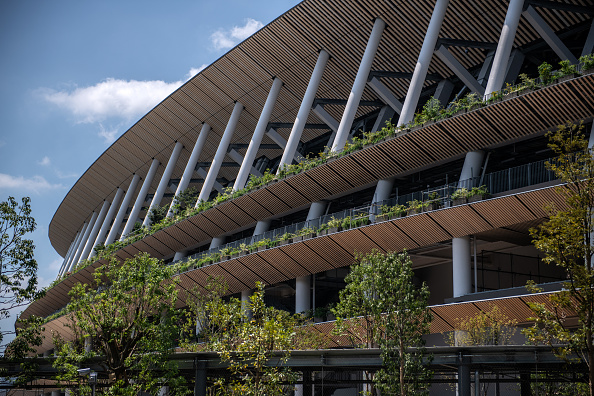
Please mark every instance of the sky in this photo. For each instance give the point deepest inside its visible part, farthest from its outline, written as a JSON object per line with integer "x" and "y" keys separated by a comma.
{"x": 75, "y": 75}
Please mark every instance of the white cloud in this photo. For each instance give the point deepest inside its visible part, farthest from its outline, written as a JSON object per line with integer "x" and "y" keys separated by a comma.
{"x": 109, "y": 135}
{"x": 225, "y": 39}
{"x": 111, "y": 98}
{"x": 36, "y": 184}
{"x": 195, "y": 70}
{"x": 45, "y": 161}
{"x": 63, "y": 175}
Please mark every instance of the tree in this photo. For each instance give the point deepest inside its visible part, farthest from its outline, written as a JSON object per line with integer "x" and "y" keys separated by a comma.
{"x": 394, "y": 316}
{"x": 18, "y": 268}
{"x": 129, "y": 315}
{"x": 566, "y": 240}
{"x": 247, "y": 337}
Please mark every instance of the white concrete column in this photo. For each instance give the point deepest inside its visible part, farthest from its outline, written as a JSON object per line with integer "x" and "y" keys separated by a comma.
{"x": 108, "y": 218}
{"x": 461, "y": 263}
{"x": 133, "y": 216}
{"x": 250, "y": 154}
{"x": 216, "y": 242}
{"x": 68, "y": 266}
{"x": 93, "y": 234}
{"x": 115, "y": 228}
{"x": 67, "y": 257}
{"x": 179, "y": 255}
{"x": 316, "y": 210}
{"x": 84, "y": 239}
{"x": 352, "y": 105}
{"x": 422, "y": 66}
{"x": 245, "y": 302}
{"x": 164, "y": 182}
{"x": 461, "y": 266}
{"x": 306, "y": 103}
{"x": 504, "y": 47}
{"x": 191, "y": 165}
{"x": 261, "y": 227}
{"x": 217, "y": 161}
{"x": 383, "y": 189}
{"x": 471, "y": 168}
{"x": 302, "y": 293}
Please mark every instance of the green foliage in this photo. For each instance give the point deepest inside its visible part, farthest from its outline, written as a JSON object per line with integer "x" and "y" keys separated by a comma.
{"x": 247, "y": 337}
{"x": 587, "y": 62}
{"x": 567, "y": 68}
{"x": 491, "y": 327}
{"x": 185, "y": 200}
{"x": 390, "y": 313}
{"x": 157, "y": 214}
{"x": 129, "y": 314}
{"x": 28, "y": 337}
{"x": 566, "y": 240}
{"x": 545, "y": 72}
{"x": 18, "y": 268}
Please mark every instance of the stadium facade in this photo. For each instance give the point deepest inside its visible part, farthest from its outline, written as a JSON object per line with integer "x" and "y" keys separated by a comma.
{"x": 319, "y": 79}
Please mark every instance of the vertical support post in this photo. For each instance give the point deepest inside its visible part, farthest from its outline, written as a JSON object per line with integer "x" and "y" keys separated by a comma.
{"x": 420, "y": 73}
{"x": 115, "y": 227}
{"x": 504, "y": 47}
{"x": 133, "y": 216}
{"x": 302, "y": 293}
{"x": 108, "y": 218}
{"x": 250, "y": 154}
{"x": 216, "y": 242}
{"x": 191, "y": 165}
{"x": 164, "y": 182}
{"x": 358, "y": 86}
{"x": 84, "y": 239}
{"x": 67, "y": 257}
{"x": 200, "y": 378}
{"x": 93, "y": 234}
{"x": 463, "y": 377}
{"x": 306, "y": 103}
{"x": 383, "y": 189}
{"x": 217, "y": 161}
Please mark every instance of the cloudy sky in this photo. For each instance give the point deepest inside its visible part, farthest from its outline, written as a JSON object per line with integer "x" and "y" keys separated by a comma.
{"x": 77, "y": 74}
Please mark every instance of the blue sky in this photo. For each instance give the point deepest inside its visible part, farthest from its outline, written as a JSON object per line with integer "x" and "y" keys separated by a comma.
{"x": 77, "y": 74}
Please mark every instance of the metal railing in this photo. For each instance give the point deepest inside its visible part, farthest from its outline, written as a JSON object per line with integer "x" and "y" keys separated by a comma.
{"x": 496, "y": 182}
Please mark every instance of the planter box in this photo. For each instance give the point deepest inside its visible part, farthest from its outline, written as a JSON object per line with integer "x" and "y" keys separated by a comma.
{"x": 476, "y": 198}
{"x": 262, "y": 248}
{"x": 432, "y": 206}
{"x": 410, "y": 212}
{"x": 322, "y": 232}
{"x": 309, "y": 236}
{"x": 567, "y": 77}
{"x": 334, "y": 229}
{"x": 297, "y": 239}
{"x": 225, "y": 258}
{"x": 283, "y": 242}
{"x": 459, "y": 201}
{"x": 588, "y": 71}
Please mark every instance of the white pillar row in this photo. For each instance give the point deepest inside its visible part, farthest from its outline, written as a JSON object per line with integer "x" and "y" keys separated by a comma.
{"x": 68, "y": 266}
{"x": 84, "y": 240}
{"x": 352, "y": 105}
{"x": 93, "y": 234}
{"x": 65, "y": 262}
{"x": 306, "y": 103}
{"x": 302, "y": 293}
{"x": 115, "y": 227}
{"x": 115, "y": 204}
{"x": 164, "y": 182}
{"x": 191, "y": 165}
{"x": 504, "y": 47}
{"x": 422, "y": 67}
{"x": 217, "y": 161}
{"x": 250, "y": 154}
{"x": 133, "y": 216}
{"x": 461, "y": 254}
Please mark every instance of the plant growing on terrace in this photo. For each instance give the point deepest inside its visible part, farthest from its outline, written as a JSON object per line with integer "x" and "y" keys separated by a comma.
{"x": 567, "y": 68}
{"x": 545, "y": 72}
{"x": 587, "y": 62}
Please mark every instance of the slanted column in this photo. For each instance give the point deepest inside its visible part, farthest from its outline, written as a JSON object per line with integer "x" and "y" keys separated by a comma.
{"x": 504, "y": 47}
{"x": 302, "y": 293}
{"x": 68, "y": 266}
{"x": 589, "y": 44}
{"x": 216, "y": 242}
{"x": 420, "y": 73}
{"x": 191, "y": 165}
{"x": 93, "y": 234}
{"x": 133, "y": 216}
{"x": 217, "y": 161}
{"x": 383, "y": 189}
{"x": 461, "y": 253}
{"x": 108, "y": 218}
{"x": 259, "y": 132}
{"x": 164, "y": 182}
{"x": 306, "y": 103}
{"x": 115, "y": 227}
{"x": 84, "y": 239}
{"x": 67, "y": 257}
{"x": 358, "y": 86}
{"x": 261, "y": 227}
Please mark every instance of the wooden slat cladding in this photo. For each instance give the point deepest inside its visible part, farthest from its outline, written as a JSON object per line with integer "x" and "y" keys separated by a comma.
{"x": 287, "y": 48}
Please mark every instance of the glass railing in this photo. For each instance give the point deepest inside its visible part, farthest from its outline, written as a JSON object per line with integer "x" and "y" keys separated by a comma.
{"x": 496, "y": 182}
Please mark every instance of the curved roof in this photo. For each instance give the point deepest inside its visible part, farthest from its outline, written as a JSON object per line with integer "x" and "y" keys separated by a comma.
{"x": 286, "y": 48}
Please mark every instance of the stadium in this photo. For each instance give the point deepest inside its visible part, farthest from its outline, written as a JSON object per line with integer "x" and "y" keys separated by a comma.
{"x": 284, "y": 141}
